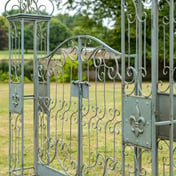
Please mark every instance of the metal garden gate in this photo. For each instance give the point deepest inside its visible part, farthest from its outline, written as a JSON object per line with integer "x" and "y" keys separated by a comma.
{"x": 93, "y": 113}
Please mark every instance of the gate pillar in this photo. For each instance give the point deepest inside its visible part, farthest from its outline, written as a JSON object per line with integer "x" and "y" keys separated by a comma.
{"x": 26, "y": 15}
{"x": 148, "y": 112}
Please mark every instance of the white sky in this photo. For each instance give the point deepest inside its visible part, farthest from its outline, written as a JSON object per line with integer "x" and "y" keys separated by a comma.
{"x": 2, "y": 4}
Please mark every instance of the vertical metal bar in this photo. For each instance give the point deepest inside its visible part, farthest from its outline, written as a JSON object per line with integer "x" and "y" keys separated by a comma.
{"x": 48, "y": 37}
{"x": 171, "y": 82}
{"x": 140, "y": 43}
{"x": 48, "y": 94}
{"x": 35, "y": 100}
{"x": 9, "y": 98}
{"x": 139, "y": 81}
{"x": 123, "y": 81}
{"x": 136, "y": 84}
{"x": 154, "y": 17}
{"x": 22, "y": 93}
{"x": 80, "y": 148}
{"x": 137, "y": 55}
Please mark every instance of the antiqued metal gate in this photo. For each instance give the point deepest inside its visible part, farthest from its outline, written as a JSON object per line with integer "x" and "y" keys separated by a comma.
{"x": 79, "y": 124}
{"x": 97, "y": 111}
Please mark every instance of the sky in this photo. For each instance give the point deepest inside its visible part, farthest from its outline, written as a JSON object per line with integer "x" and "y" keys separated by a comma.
{"x": 2, "y": 5}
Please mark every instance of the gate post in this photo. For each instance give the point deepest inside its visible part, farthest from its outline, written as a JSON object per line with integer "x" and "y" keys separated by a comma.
{"x": 154, "y": 17}
{"x": 80, "y": 148}
{"x": 26, "y": 13}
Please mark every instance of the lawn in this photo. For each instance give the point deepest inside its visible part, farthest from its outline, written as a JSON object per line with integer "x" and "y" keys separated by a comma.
{"x": 163, "y": 155}
{"x": 4, "y": 129}
{"x": 4, "y": 55}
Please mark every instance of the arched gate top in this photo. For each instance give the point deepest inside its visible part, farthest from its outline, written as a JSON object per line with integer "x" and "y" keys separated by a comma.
{"x": 86, "y": 48}
{"x": 86, "y": 42}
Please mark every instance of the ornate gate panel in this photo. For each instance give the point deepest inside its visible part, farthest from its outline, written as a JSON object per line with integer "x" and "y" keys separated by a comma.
{"x": 148, "y": 119}
{"x": 80, "y": 122}
{"x": 137, "y": 128}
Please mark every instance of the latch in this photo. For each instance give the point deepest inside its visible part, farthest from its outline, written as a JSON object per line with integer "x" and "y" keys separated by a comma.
{"x": 80, "y": 87}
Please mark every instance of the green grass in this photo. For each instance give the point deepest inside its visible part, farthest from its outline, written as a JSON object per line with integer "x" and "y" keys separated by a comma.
{"x": 4, "y": 129}
{"x": 28, "y": 118}
{"x": 4, "y": 55}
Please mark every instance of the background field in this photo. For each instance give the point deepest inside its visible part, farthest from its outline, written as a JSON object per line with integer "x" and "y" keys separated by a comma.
{"x": 4, "y": 55}
{"x": 4, "y": 120}
{"x": 4, "y": 128}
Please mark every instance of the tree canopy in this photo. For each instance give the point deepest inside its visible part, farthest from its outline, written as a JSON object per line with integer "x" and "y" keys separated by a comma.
{"x": 58, "y": 32}
{"x": 98, "y": 9}
{"x": 3, "y": 32}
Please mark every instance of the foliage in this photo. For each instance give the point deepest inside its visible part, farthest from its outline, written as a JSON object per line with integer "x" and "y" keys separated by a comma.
{"x": 58, "y": 32}
{"x": 28, "y": 37}
{"x": 4, "y": 77}
{"x": 4, "y": 69}
{"x": 3, "y": 32}
{"x": 98, "y": 9}
{"x": 28, "y": 70}
{"x": 82, "y": 24}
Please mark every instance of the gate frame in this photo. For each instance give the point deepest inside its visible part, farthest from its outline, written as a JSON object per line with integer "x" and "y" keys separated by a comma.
{"x": 23, "y": 17}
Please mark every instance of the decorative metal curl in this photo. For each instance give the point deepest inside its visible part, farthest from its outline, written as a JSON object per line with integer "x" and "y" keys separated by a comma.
{"x": 29, "y": 7}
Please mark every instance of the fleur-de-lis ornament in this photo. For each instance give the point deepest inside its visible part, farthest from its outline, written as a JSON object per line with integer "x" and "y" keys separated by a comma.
{"x": 137, "y": 122}
{"x": 15, "y": 98}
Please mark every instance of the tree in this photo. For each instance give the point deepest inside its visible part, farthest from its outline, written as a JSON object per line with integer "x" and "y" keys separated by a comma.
{"x": 83, "y": 24}
{"x": 99, "y": 9}
{"x": 28, "y": 37}
{"x": 3, "y": 32}
{"x": 58, "y": 32}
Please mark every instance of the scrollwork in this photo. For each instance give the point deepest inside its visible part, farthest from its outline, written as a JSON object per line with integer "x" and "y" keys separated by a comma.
{"x": 135, "y": 78}
{"x": 101, "y": 55}
{"x": 29, "y": 7}
{"x": 15, "y": 150}
{"x": 98, "y": 121}
{"x": 133, "y": 11}
{"x": 163, "y": 146}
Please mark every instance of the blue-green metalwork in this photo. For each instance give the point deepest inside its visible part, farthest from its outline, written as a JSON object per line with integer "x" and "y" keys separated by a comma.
{"x": 84, "y": 122}
{"x": 33, "y": 12}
